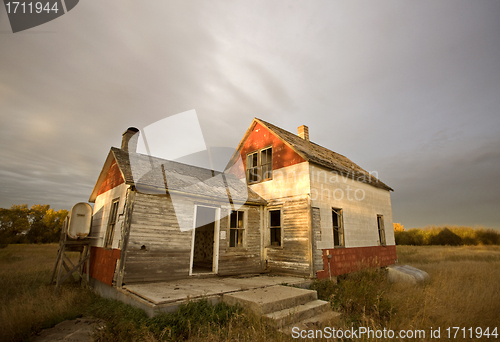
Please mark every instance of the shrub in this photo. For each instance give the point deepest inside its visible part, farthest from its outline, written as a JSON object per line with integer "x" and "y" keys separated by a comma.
{"x": 445, "y": 237}
{"x": 326, "y": 288}
{"x": 358, "y": 295}
{"x": 451, "y": 236}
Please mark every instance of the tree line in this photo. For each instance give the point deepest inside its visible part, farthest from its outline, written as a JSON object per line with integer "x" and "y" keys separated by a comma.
{"x": 446, "y": 235}
{"x": 38, "y": 224}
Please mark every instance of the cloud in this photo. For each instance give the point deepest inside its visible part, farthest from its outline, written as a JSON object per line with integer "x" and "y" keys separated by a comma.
{"x": 409, "y": 90}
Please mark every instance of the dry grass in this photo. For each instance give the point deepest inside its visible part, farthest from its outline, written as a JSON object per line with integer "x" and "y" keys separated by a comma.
{"x": 463, "y": 292}
{"x": 27, "y": 301}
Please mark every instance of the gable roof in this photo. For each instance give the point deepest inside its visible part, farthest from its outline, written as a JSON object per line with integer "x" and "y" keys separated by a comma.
{"x": 157, "y": 175}
{"x": 319, "y": 155}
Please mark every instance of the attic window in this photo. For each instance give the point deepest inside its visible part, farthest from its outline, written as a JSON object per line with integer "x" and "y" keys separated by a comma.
{"x": 260, "y": 165}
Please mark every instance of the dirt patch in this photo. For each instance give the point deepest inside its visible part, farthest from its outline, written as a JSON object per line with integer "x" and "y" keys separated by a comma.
{"x": 77, "y": 330}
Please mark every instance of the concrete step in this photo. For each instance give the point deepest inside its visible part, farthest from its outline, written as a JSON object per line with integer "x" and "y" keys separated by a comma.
{"x": 328, "y": 318}
{"x": 298, "y": 313}
{"x": 271, "y": 299}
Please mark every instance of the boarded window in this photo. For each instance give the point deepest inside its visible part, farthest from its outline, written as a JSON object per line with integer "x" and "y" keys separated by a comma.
{"x": 236, "y": 229}
{"x": 338, "y": 229}
{"x": 275, "y": 227}
{"x": 260, "y": 165}
{"x": 113, "y": 213}
{"x": 381, "y": 230}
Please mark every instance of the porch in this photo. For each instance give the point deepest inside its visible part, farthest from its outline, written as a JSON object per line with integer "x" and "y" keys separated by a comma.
{"x": 159, "y": 297}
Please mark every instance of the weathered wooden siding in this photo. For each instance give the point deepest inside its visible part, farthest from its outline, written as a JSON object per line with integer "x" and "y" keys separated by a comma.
{"x": 237, "y": 260}
{"x": 157, "y": 250}
{"x": 316, "y": 228}
{"x": 360, "y": 204}
{"x": 294, "y": 256}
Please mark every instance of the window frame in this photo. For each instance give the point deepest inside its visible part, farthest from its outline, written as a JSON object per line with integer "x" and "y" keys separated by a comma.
{"x": 381, "y": 230}
{"x": 280, "y": 227}
{"x": 258, "y": 176}
{"x": 242, "y": 229}
{"x": 112, "y": 219}
{"x": 339, "y": 229}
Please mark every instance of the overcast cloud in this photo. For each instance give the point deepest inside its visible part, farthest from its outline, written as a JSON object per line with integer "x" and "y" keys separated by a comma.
{"x": 408, "y": 89}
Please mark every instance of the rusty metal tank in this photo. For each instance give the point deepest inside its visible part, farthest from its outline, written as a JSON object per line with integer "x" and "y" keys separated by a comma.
{"x": 80, "y": 219}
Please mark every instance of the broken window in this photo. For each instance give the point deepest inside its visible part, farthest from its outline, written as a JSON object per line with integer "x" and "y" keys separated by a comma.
{"x": 260, "y": 165}
{"x": 236, "y": 229}
{"x": 338, "y": 229}
{"x": 381, "y": 230}
{"x": 108, "y": 241}
{"x": 275, "y": 227}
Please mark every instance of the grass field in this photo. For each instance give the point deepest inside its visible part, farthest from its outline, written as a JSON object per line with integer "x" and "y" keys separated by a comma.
{"x": 463, "y": 292}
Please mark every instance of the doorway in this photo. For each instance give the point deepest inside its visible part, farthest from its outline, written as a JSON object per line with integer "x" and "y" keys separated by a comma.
{"x": 205, "y": 243}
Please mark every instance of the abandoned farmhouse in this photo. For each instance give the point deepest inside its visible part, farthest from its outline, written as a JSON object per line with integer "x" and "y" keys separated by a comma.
{"x": 284, "y": 205}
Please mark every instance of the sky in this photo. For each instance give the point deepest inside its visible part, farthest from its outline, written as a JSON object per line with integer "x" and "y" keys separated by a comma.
{"x": 408, "y": 89}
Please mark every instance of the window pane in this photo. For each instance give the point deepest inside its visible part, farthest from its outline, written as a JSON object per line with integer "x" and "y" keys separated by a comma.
{"x": 275, "y": 236}
{"x": 253, "y": 175}
{"x": 266, "y": 172}
{"x": 234, "y": 215}
{"x": 240, "y": 219}
{"x": 240, "y": 237}
{"x": 336, "y": 237}
{"x": 251, "y": 160}
{"x": 232, "y": 238}
{"x": 266, "y": 156}
{"x": 275, "y": 218}
{"x": 335, "y": 217}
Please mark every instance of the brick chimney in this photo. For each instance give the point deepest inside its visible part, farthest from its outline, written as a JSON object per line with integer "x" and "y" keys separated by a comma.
{"x": 129, "y": 139}
{"x": 303, "y": 132}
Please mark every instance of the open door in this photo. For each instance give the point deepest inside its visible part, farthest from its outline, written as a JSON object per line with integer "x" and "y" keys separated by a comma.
{"x": 204, "y": 247}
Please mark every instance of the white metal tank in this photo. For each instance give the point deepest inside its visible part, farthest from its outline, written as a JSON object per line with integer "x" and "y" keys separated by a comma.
{"x": 80, "y": 219}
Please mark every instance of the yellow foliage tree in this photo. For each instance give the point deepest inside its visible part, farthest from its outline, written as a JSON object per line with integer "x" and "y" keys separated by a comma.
{"x": 398, "y": 227}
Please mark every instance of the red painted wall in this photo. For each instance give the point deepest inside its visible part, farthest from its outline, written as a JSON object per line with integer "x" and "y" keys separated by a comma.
{"x": 261, "y": 137}
{"x": 103, "y": 263}
{"x": 113, "y": 179}
{"x": 348, "y": 260}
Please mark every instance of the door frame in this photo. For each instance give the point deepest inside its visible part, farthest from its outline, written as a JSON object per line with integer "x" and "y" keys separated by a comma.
{"x": 215, "y": 261}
